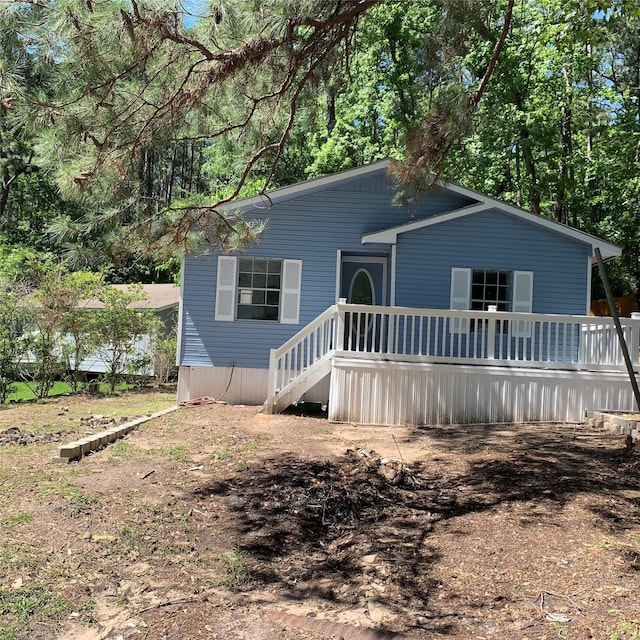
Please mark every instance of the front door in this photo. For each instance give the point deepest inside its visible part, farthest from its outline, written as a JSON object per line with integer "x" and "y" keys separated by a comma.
{"x": 363, "y": 281}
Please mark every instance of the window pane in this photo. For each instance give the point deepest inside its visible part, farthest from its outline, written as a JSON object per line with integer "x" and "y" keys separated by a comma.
{"x": 273, "y": 298}
{"x": 244, "y": 279}
{"x": 258, "y": 297}
{"x": 492, "y": 277}
{"x": 273, "y": 281}
{"x": 260, "y": 265}
{"x": 244, "y": 312}
{"x": 275, "y": 266}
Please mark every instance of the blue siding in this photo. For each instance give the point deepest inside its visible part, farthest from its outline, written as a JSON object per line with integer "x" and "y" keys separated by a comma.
{"x": 313, "y": 227}
{"x": 492, "y": 240}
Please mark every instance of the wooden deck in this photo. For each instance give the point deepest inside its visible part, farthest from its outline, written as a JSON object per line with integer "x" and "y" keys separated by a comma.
{"x": 391, "y": 365}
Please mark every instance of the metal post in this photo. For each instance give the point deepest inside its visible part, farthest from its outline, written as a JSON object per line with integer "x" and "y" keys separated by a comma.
{"x": 616, "y": 322}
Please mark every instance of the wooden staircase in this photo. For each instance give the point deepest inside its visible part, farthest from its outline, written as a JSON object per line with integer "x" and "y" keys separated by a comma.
{"x": 303, "y": 361}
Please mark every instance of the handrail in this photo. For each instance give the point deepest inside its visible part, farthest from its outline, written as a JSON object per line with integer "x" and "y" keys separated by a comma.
{"x": 453, "y": 336}
{"x": 445, "y": 335}
{"x": 311, "y": 344}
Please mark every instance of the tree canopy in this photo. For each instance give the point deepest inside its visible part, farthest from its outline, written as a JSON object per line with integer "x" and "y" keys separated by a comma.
{"x": 125, "y": 124}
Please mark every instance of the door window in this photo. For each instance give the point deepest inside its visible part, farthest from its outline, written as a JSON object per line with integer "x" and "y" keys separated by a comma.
{"x": 361, "y": 290}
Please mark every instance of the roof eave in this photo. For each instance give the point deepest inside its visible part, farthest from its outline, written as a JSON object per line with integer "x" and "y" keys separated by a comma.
{"x": 267, "y": 200}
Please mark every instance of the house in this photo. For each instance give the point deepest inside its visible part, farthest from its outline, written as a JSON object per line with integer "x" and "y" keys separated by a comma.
{"x": 455, "y": 308}
{"x": 161, "y": 299}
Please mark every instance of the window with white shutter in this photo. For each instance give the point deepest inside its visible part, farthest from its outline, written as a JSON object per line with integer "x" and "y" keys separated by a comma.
{"x": 460, "y": 297}
{"x": 478, "y": 289}
{"x": 256, "y": 288}
{"x": 522, "y": 301}
{"x": 291, "y": 279}
{"x": 226, "y": 289}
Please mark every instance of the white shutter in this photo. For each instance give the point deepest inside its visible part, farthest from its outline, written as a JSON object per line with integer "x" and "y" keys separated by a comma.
{"x": 290, "y": 291}
{"x": 226, "y": 289}
{"x": 460, "y": 296}
{"x": 522, "y": 301}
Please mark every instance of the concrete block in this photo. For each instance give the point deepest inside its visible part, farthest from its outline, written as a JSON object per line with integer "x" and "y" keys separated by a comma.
{"x": 70, "y": 451}
{"x": 101, "y": 439}
{"x": 83, "y": 446}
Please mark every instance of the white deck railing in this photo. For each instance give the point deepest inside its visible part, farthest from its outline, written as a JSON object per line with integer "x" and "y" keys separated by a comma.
{"x": 307, "y": 348}
{"x": 462, "y": 337}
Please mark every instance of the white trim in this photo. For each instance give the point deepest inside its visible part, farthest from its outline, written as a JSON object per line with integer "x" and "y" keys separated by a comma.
{"x": 226, "y": 281}
{"x": 460, "y": 279}
{"x": 180, "y": 312}
{"x": 290, "y": 291}
{"x": 522, "y": 301}
{"x": 589, "y": 276}
{"x": 457, "y": 301}
{"x": 268, "y": 199}
{"x": 392, "y": 299}
{"x": 338, "y": 272}
{"x": 390, "y": 235}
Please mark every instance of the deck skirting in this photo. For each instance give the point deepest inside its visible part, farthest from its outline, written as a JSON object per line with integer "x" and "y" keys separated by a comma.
{"x": 235, "y": 385}
{"x": 400, "y": 393}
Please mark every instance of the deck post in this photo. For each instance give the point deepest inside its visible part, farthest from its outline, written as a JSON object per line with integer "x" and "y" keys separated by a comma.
{"x": 491, "y": 334}
{"x": 273, "y": 373}
{"x": 339, "y": 341}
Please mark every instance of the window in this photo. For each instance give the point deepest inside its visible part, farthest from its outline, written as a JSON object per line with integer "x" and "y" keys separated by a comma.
{"x": 490, "y": 287}
{"x": 258, "y": 293}
{"x": 478, "y": 288}
{"x": 256, "y": 288}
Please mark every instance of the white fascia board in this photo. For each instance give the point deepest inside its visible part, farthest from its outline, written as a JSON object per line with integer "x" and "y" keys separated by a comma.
{"x": 267, "y": 200}
{"x": 389, "y": 236}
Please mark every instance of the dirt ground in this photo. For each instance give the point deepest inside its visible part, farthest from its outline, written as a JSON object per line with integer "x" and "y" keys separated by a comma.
{"x": 219, "y": 522}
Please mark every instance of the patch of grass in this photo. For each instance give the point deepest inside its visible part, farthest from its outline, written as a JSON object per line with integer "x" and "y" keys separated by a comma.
{"x": 626, "y": 631}
{"x": 78, "y": 499}
{"x": 18, "y": 555}
{"x": 177, "y": 452}
{"x": 18, "y": 519}
{"x": 121, "y": 450}
{"x": 23, "y": 393}
{"x": 130, "y": 536}
{"x": 19, "y": 608}
{"x": 222, "y": 455}
{"x": 236, "y": 570}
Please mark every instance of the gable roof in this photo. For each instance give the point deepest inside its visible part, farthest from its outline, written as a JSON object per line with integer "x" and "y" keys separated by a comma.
{"x": 159, "y": 297}
{"x": 308, "y": 187}
{"x": 390, "y": 235}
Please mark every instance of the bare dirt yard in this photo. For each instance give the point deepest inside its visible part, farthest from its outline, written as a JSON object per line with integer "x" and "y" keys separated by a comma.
{"x": 219, "y": 522}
